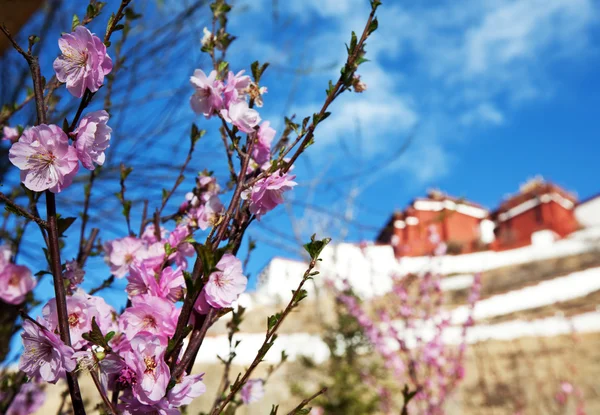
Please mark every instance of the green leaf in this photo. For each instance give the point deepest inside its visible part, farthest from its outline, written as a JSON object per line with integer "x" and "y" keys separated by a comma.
{"x": 90, "y": 11}
{"x": 111, "y": 19}
{"x": 132, "y": 15}
{"x": 109, "y": 336}
{"x": 196, "y": 134}
{"x": 63, "y": 224}
{"x": 274, "y": 410}
{"x": 373, "y": 26}
{"x": 75, "y": 22}
{"x": 125, "y": 171}
{"x": 272, "y": 320}
{"x": 96, "y": 337}
{"x": 314, "y": 247}
{"x": 258, "y": 70}
{"x": 223, "y": 66}
{"x": 299, "y": 295}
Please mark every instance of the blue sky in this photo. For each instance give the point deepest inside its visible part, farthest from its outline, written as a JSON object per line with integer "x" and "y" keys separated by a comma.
{"x": 489, "y": 93}
{"x": 492, "y": 93}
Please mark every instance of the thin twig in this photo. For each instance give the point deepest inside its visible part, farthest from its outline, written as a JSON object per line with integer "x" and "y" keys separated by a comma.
{"x": 107, "y": 402}
{"x": 267, "y": 343}
{"x": 23, "y": 212}
{"x": 307, "y": 401}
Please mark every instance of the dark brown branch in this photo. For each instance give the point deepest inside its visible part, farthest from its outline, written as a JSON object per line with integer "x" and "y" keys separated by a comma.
{"x": 87, "y": 249}
{"x": 53, "y": 239}
{"x": 194, "y": 345}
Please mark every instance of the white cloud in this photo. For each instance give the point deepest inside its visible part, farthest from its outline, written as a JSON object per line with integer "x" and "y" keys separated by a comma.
{"x": 484, "y": 113}
{"x": 452, "y": 66}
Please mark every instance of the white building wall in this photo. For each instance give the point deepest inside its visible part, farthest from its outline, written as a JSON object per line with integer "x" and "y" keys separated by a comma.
{"x": 588, "y": 213}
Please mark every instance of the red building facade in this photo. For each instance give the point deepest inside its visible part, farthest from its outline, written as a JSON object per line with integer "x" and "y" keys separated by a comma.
{"x": 456, "y": 221}
{"x": 539, "y": 206}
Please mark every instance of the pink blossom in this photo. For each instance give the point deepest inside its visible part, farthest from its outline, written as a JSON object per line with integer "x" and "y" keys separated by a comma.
{"x": 205, "y": 215}
{"x": 242, "y": 116}
{"x": 253, "y": 391}
{"x": 143, "y": 280}
{"x": 45, "y": 357}
{"x": 30, "y": 398}
{"x": 15, "y": 282}
{"x": 261, "y": 152}
{"x": 266, "y": 193}
{"x": 235, "y": 87}
{"x": 80, "y": 317}
{"x": 92, "y": 139}
{"x": 201, "y": 306}
{"x": 131, "y": 406}
{"x": 121, "y": 253}
{"x": 5, "y": 254}
{"x": 186, "y": 390}
{"x": 225, "y": 285}
{"x": 73, "y": 273}
{"x": 566, "y": 387}
{"x": 183, "y": 249}
{"x": 207, "y": 99}
{"x": 105, "y": 314}
{"x": 84, "y": 62}
{"x": 10, "y": 134}
{"x": 147, "y": 361}
{"x": 45, "y": 158}
{"x": 207, "y": 186}
{"x": 150, "y": 314}
{"x": 149, "y": 235}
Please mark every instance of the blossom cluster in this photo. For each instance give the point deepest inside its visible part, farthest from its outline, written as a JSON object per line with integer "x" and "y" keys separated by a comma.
{"x": 132, "y": 353}
{"x": 43, "y": 153}
{"x": 230, "y": 100}
{"x": 408, "y": 333}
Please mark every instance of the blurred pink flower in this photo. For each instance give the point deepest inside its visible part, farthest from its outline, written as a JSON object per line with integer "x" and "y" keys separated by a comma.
{"x": 45, "y": 158}
{"x": 84, "y": 62}
{"x": 92, "y": 139}
{"x": 45, "y": 356}
{"x": 10, "y": 134}
{"x": 267, "y": 193}
{"x": 253, "y": 391}
{"x": 207, "y": 99}
{"x": 30, "y": 398}
{"x": 15, "y": 282}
